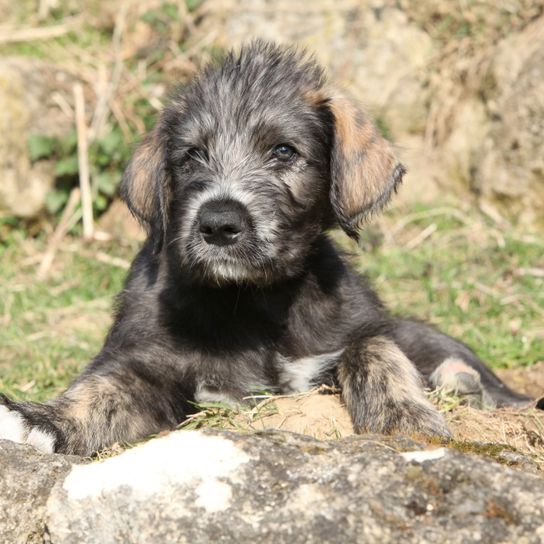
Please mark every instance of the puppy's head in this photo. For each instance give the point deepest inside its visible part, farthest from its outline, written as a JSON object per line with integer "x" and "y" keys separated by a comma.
{"x": 251, "y": 162}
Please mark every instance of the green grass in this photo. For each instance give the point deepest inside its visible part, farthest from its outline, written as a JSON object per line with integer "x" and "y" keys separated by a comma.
{"x": 474, "y": 280}
{"x": 50, "y": 329}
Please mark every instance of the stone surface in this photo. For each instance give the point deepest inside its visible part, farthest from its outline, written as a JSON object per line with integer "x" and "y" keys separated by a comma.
{"x": 528, "y": 380}
{"x": 218, "y": 486}
{"x": 511, "y": 173}
{"x": 26, "y": 480}
{"x": 370, "y": 48}
{"x": 488, "y": 112}
{"x": 277, "y": 487}
{"x": 27, "y": 91}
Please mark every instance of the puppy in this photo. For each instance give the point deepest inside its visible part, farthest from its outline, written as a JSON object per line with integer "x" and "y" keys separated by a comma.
{"x": 238, "y": 288}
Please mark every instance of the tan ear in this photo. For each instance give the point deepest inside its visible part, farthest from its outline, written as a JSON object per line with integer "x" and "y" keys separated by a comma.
{"x": 364, "y": 169}
{"x": 144, "y": 187}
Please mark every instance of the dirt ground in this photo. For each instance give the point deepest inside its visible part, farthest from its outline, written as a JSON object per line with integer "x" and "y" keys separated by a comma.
{"x": 527, "y": 380}
{"x": 323, "y": 416}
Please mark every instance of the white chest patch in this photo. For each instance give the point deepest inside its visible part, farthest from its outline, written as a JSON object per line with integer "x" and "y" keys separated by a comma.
{"x": 205, "y": 394}
{"x": 299, "y": 375}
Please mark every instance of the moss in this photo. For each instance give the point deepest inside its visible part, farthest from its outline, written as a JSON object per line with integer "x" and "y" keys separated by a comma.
{"x": 491, "y": 450}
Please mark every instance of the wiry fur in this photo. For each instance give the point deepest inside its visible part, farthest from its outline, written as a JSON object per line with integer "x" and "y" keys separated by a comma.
{"x": 279, "y": 309}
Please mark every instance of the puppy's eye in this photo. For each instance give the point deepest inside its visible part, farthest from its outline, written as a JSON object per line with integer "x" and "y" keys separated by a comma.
{"x": 284, "y": 152}
{"x": 197, "y": 154}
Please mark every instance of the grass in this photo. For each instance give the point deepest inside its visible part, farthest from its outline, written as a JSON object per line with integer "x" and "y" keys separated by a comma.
{"x": 476, "y": 281}
{"x": 473, "y": 279}
{"x": 50, "y": 329}
{"x": 136, "y": 52}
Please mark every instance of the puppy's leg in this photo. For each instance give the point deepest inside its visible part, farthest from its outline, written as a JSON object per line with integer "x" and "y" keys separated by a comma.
{"x": 96, "y": 411}
{"x": 446, "y": 362}
{"x": 383, "y": 391}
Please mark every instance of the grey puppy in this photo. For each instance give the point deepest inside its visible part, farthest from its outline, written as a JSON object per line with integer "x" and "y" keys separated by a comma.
{"x": 238, "y": 289}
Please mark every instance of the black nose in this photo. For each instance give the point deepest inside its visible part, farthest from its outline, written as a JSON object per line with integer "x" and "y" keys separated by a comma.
{"x": 222, "y": 222}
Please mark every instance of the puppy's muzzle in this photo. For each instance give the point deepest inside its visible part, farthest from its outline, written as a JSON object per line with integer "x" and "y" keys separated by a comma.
{"x": 223, "y": 222}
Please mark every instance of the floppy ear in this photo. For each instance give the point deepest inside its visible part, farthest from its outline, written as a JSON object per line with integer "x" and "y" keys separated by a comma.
{"x": 364, "y": 169}
{"x": 145, "y": 186}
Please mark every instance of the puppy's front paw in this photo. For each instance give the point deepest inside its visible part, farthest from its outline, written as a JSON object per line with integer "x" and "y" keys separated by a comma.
{"x": 14, "y": 426}
{"x": 408, "y": 418}
{"x": 425, "y": 420}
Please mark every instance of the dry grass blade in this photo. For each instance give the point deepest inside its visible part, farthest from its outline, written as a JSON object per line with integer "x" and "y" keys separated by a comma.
{"x": 107, "y": 259}
{"x": 83, "y": 163}
{"x": 108, "y": 90}
{"x": 422, "y": 236}
{"x": 69, "y": 216}
{"x": 443, "y": 210}
{"x": 18, "y": 35}
{"x": 536, "y": 272}
{"x": 44, "y": 7}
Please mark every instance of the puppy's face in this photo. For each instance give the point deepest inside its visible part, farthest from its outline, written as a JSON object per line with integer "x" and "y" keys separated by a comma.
{"x": 251, "y": 163}
{"x": 248, "y": 161}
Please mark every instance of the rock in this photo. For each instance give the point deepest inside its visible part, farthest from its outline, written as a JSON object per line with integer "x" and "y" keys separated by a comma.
{"x": 26, "y": 91}
{"x": 201, "y": 487}
{"x": 218, "y": 486}
{"x": 371, "y": 48}
{"x": 422, "y": 182}
{"x": 525, "y": 379}
{"x": 494, "y": 142}
{"x": 26, "y": 480}
{"x": 511, "y": 173}
{"x": 120, "y": 223}
{"x": 463, "y": 149}
{"x": 400, "y": 61}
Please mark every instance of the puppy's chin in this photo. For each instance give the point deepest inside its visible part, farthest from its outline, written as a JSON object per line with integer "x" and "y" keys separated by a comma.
{"x": 217, "y": 267}
{"x": 220, "y": 272}
{"x": 223, "y": 273}
{"x": 254, "y": 264}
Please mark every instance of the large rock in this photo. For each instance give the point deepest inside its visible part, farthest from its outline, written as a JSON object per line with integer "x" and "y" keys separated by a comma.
{"x": 26, "y": 480}
{"x": 277, "y": 487}
{"x": 27, "y": 90}
{"x": 120, "y": 223}
{"x": 511, "y": 174}
{"x": 494, "y": 142}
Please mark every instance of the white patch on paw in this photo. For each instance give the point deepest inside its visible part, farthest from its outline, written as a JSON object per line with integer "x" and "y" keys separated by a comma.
{"x": 425, "y": 455}
{"x": 12, "y": 425}
{"x": 41, "y": 440}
